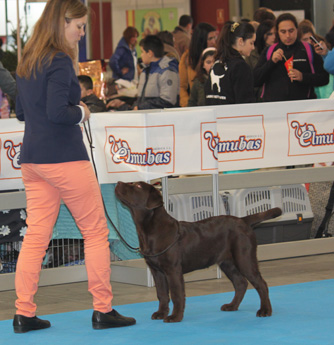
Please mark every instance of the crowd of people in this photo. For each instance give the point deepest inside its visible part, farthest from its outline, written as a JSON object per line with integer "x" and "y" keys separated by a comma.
{"x": 264, "y": 59}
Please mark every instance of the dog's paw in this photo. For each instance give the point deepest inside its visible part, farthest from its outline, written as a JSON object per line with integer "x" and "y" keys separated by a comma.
{"x": 173, "y": 318}
{"x": 228, "y": 307}
{"x": 158, "y": 315}
{"x": 263, "y": 312}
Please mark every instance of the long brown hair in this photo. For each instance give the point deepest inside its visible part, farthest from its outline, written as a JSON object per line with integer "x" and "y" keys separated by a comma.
{"x": 48, "y": 37}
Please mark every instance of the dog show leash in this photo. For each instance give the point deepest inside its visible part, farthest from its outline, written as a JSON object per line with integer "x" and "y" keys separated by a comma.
{"x": 136, "y": 249}
{"x": 90, "y": 141}
{"x": 165, "y": 250}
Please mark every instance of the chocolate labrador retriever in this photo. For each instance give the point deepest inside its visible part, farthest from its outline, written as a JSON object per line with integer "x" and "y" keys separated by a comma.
{"x": 172, "y": 248}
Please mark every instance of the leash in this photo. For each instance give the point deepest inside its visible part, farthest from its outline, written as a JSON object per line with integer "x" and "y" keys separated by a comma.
{"x": 136, "y": 249}
{"x": 165, "y": 250}
{"x": 90, "y": 141}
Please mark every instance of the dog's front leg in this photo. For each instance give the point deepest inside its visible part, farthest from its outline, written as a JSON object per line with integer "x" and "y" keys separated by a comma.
{"x": 161, "y": 286}
{"x": 177, "y": 292}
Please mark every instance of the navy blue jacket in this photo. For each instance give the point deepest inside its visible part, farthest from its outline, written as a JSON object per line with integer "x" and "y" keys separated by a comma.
{"x": 123, "y": 57}
{"x": 48, "y": 105}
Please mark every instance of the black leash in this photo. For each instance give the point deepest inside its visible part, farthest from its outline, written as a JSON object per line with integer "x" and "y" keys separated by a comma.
{"x": 90, "y": 141}
{"x": 138, "y": 250}
{"x": 165, "y": 250}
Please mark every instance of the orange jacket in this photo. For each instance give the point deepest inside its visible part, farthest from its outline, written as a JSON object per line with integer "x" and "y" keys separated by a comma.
{"x": 187, "y": 76}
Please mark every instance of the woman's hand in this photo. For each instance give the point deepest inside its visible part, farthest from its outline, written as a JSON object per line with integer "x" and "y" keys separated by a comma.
{"x": 87, "y": 111}
{"x": 321, "y": 48}
{"x": 125, "y": 70}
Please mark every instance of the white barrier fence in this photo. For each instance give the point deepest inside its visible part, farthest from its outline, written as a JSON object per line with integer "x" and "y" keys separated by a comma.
{"x": 146, "y": 145}
{"x": 205, "y": 140}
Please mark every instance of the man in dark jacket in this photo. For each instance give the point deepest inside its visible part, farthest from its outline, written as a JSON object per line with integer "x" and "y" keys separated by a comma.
{"x": 94, "y": 104}
{"x": 182, "y": 34}
{"x": 283, "y": 82}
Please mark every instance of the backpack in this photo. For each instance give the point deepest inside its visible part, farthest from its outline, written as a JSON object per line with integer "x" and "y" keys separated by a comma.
{"x": 309, "y": 53}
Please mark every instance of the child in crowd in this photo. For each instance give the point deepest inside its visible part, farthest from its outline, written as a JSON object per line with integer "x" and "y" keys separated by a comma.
{"x": 158, "y": 83}
{"x": 197, "y": 95}
{"x": 94, "y": 104}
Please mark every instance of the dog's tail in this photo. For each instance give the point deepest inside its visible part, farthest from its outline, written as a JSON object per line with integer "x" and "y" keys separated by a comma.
{"x": 256, "y": 218}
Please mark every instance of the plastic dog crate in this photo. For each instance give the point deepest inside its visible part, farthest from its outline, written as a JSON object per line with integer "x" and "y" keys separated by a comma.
{"x": 194, "y": 206}
{"x": 294, "y": 223}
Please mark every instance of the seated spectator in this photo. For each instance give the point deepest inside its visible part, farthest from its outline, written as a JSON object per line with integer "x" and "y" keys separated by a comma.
{"x": 7, "y": 82}
{"x": 158, "y": 83}
{"x": 197, "y": 94}
{"x": 7, "y": 87}
{"x": 168, "y": 41}
{"x": 94, "y": 104}
{"x": 123, "y": 62}
{"x": 290, "y": 69}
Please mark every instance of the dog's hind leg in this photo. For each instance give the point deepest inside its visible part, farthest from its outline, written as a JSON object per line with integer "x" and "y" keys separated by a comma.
{"x": 254, "y": 277}
{"x": 248, "y": 265}
{"x": 162, "y": 289}
{"x": 239, "y": 282}
{"x": 178, "y": 295}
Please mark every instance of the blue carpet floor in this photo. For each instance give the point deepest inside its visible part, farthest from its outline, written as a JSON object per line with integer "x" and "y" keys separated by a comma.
{"x": 303, "y": 315}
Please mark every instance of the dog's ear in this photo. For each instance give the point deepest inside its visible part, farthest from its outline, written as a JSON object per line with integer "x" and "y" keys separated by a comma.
{"x": 154, "y": 199}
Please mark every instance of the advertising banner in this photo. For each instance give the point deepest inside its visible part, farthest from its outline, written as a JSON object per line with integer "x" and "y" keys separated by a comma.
{"x": 133, "y": 146}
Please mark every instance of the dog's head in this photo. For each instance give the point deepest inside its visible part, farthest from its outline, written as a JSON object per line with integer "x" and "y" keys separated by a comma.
{"x": 138, "y": 195}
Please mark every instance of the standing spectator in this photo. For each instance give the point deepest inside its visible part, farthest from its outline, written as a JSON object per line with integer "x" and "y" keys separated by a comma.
{"x": 124, "y": 60}
{"x": 197, "y": 94}
{"x": 168, "y": 41}
{"x": 265, "y": 37}
{"x": 328, "y": 57}
{"x": 305, "y": 31}
{"x": 94, "y": 104}
{"x": 158, "y": 83}
{"x": 263, "y": 13}
{"x": 293, "y": 69}
{"x": 230, "y": 79}
{"x": 204, "y": 36}
{"x": 55, "y": 165}
{"x": 182, "y": 34}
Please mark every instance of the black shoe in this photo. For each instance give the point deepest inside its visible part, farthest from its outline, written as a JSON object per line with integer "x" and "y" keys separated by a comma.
{"x": 111, "y": 320}
{"x": 23, "y": 324}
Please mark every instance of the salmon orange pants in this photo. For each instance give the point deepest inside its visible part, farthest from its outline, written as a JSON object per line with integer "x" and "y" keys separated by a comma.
{"x": 75, "y": 183}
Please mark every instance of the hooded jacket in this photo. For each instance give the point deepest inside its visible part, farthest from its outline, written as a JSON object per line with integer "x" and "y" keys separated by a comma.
{"x": 159, "y": 85}
{"x": 230, "y": 83}
{"x": 123, "y": 57}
